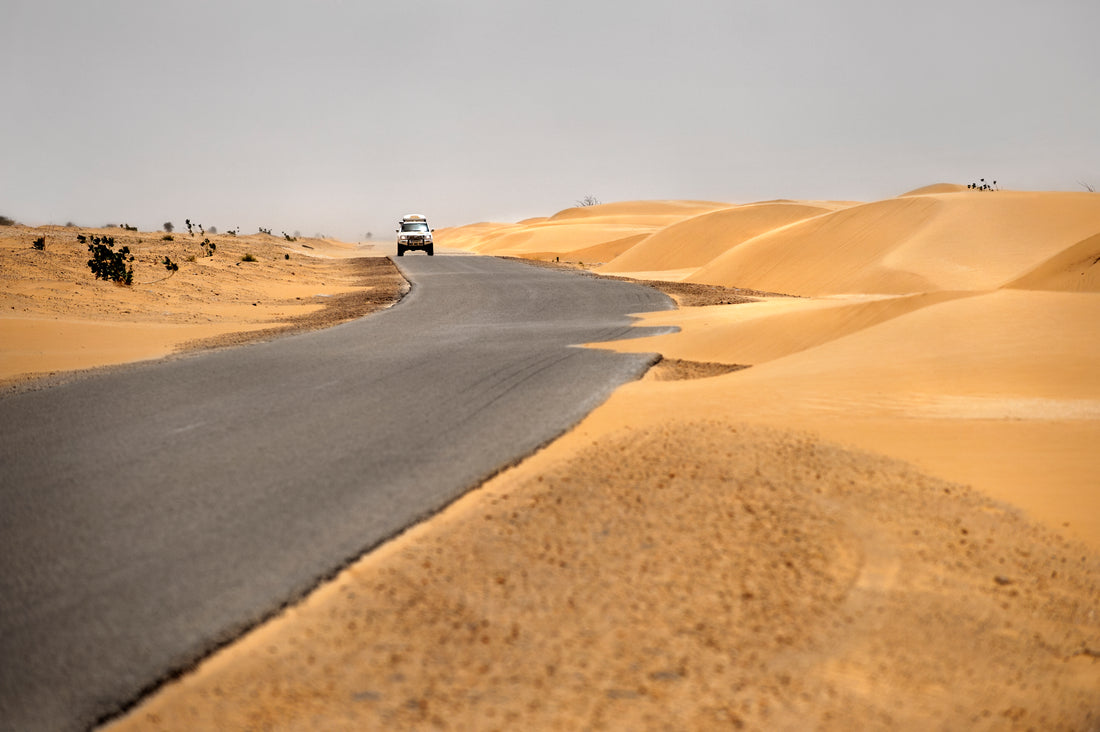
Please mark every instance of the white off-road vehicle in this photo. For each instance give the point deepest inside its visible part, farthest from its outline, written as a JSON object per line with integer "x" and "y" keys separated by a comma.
{"x": 414, "y": 234}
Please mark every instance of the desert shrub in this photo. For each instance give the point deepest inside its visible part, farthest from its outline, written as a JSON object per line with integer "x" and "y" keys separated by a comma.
{"x": 168, "y": 226}
{"x": 265, "y": 231}
{"x": 170, "y": 265}
{"x": 208, "y": 248}
{"x": 286, "y": 256}
{"x": 7, "y": 221}
{"x": 213, "y": 229}
{"x": 588, "y": 200}
{"x": 167, "y": 237}
{"x": 40, "y": 243}
{"x": 983, "y": 186}
{"x": 247, "y": 257}
{"x": 288, "y": 237}
{"x": 127, "y": 227}
{"x": 106, "y": 263}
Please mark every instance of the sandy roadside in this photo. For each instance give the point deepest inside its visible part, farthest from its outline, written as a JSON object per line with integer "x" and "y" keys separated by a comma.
{"x": 57, "y": 318}
{"x": 646, "y": 573}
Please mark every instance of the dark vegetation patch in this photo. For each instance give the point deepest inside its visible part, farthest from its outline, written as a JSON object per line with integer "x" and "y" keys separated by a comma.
{"x": 676, "y": 369}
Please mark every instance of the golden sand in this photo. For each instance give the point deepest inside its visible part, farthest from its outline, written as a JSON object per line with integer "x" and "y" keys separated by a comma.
{"x": 889, "y": 520}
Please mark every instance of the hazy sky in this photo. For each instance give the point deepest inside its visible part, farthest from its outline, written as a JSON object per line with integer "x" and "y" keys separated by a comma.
{"x": 338, "y": 117}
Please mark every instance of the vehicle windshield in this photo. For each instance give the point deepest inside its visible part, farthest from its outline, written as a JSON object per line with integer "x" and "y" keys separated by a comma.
{"x": 414, "y": 226}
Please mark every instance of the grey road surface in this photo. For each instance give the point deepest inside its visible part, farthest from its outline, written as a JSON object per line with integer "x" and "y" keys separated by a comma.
{"x": 150, "y": 513}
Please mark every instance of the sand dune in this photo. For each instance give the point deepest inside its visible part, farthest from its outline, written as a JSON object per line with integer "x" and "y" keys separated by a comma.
{"x": 940, "y": 237}
{"x": 578, "y": 232}
{"x": 602, "y": 252}
{"x": 952, "y": 241}
{"x": 669, "y": 210}
{"x": 903, "y": 355}
{"x": 936, "y": 188}
{"x": 997, "y": 390}
{"x": 470, "y": 236}
{"x": 697, "y": 240}
{"x": 950, "y": 327}
{"x": 562, "y": 237}
{"x": 763, "y": 331}
{"x": 1072, "y": 270}
{"x": 1001, "y": 344}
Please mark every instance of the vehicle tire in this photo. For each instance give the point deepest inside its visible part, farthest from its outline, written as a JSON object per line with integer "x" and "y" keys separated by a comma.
{"x": 431, "y": 250}
{"x": 400, "y": 251}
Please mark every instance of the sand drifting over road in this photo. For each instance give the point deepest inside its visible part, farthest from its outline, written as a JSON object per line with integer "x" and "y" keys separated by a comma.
{"x": 971, "y": 351}
{"x": 872, "y": 505}
{"x": 948, "y": 327}
{"x": 681, "y": 575}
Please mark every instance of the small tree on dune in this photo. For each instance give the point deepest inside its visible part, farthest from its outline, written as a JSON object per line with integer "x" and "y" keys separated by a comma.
{"x": 168, "y": 227}
{"x": 106, "y": 263}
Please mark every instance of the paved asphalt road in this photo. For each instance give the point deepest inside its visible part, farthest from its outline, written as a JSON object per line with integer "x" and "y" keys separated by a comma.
{"x": 152, "y": 512}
